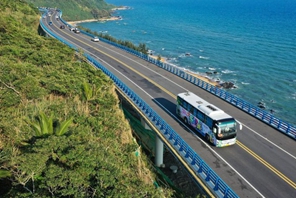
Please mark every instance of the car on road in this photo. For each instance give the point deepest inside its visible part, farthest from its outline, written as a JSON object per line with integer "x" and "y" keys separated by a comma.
{"x": 62, "y": 26}
{"x": 76, "y": 30}
{"x": 95, "y": 39}
{"x": 50, "y": 23}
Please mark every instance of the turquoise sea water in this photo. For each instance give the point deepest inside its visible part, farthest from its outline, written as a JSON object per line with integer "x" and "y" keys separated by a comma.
{"x": 249, "y": 42}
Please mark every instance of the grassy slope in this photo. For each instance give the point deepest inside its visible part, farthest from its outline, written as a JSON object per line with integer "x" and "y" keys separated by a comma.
{"x": 42, "y": 75}
{"x": 77, "y": 9}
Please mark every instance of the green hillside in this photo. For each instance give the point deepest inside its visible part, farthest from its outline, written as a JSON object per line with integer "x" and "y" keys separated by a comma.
{"x": 62, "y": 133}
{"x": 77, "y": 9}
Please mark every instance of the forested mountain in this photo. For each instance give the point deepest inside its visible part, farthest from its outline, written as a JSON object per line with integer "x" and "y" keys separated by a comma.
{"x": 62, "y": 133}
{"x": 77, "y": 9}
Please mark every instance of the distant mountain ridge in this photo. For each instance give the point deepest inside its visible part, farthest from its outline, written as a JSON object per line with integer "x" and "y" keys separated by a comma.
{"x": 77, "y": 9}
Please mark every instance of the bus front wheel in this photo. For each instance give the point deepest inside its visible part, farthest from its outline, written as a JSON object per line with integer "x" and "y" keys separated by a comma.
{"x": 208, "y": 138}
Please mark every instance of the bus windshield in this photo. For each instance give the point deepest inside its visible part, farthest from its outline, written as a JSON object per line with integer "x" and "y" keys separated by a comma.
{"x": 227, "y": 128}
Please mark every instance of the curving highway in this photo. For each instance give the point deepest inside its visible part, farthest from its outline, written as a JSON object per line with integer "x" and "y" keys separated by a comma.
{"x": 261, "y": 164}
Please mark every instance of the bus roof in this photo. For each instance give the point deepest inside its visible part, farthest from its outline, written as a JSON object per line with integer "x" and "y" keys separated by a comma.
{"x": 208, "y": 109}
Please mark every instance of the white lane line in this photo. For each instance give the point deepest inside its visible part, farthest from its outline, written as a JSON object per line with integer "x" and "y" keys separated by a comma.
{"x": 266, "y": 139}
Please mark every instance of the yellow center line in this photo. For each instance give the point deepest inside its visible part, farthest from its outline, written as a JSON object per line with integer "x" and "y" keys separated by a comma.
{"x": 277, "y": 172}
{"x": 270, "y": 167}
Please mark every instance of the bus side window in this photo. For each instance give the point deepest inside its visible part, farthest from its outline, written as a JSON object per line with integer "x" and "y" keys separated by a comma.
{"x": 181, "y": 101}
{"x": 201, "y": 116}
{"x": 191, "y": 109}
{"x": 188, "y": 106}
{"x": 184, "y": 105}
{"x": 209, "y": 122}
{"x": 195, "y": 112}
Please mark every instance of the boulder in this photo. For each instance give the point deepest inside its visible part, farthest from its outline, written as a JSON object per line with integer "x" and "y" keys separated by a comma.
{"x": 228, "y": 85}
{"x": 261, "y": 105}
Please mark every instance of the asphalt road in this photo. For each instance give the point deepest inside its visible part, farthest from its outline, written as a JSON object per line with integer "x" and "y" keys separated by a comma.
{"x": 261, "y": 164}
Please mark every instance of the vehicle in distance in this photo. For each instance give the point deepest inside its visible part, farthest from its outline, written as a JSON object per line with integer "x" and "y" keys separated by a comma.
{"x": 95, "y": 39}
{"x": 50, "y": 23}
{"x": 62, "y": 26}
{"x": 214, "y": 124}
{"x": 76, "y": 30}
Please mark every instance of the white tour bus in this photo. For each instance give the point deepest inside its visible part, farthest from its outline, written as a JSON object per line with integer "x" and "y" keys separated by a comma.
{"x": 215, "y": 125}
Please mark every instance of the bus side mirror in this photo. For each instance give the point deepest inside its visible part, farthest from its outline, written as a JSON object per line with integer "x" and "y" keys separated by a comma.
{"x": 215, "y": 129}
{"x": 240, "y": 125}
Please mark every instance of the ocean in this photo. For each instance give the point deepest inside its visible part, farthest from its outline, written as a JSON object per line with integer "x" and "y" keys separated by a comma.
{"x": 251, "y": 43}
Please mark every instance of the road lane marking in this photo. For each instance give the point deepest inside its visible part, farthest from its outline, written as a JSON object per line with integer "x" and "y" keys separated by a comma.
{"x": 270, "y": 167}
{"x": 269, "y": 141}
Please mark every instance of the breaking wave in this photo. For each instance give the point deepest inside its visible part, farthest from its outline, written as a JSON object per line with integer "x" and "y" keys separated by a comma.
{"x": 204, "y": 57}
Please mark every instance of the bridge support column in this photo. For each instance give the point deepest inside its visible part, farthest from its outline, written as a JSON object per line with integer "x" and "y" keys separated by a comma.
{"x": 158, "y": 152}
{"x": 158, "y": 146}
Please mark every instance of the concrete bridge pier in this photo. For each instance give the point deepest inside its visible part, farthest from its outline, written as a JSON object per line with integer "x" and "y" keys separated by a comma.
{"x": 158, "y": 152}
{"x": 158, "y": 146}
